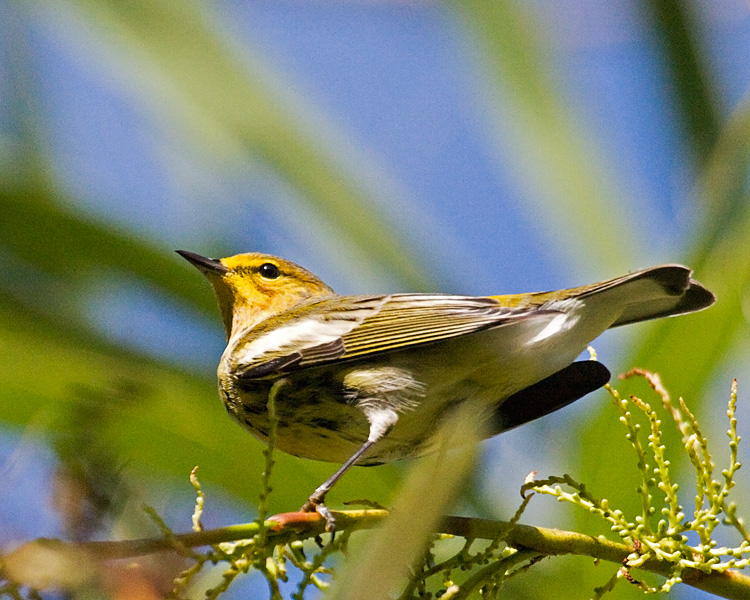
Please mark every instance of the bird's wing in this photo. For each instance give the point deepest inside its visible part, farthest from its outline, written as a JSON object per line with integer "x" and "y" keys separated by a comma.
{"x": 350, "y": 327}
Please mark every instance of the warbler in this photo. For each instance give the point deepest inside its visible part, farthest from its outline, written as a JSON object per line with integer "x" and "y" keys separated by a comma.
{"x": 370, "y": 377}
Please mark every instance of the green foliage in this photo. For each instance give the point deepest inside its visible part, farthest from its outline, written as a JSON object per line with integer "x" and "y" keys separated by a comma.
{"x": 571, "y": 199}
{"x": 668, "y": 540}
{"x": 690, "y": 352}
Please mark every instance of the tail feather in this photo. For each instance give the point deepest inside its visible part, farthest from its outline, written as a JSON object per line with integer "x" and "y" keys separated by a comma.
{"x": 662, "y": 291}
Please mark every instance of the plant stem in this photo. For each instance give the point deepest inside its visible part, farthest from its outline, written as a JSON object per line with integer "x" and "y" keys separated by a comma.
{"x": 288, "y": 526}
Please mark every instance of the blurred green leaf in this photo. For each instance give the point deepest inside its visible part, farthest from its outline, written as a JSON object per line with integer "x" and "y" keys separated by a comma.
{"x": 675, "y": 30}
{"x": 183, "y": 65}
{"x": 35, "y": 228}
{"x": 571, "y": 192}
{"x": 687, "y": 351}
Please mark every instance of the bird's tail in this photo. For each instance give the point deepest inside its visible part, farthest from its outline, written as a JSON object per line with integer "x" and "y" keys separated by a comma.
{"x": 656, "y": 292}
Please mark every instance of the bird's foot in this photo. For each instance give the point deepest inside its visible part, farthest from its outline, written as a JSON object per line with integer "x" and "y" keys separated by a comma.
{"x": 315, "y": 504}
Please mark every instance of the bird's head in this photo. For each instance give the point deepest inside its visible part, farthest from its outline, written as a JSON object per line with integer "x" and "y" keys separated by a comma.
{"x": 252, "y": 287}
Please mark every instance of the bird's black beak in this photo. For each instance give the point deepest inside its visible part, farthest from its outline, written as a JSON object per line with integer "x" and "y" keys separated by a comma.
{"x": 203, "y": 264}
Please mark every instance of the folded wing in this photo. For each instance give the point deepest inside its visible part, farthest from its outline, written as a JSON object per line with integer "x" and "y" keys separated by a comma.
{"x": 346, "y": 328}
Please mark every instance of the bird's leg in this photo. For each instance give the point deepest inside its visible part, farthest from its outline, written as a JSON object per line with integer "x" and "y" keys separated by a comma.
{"x": 382, "y": 419}
{"x": 315, "y": 501}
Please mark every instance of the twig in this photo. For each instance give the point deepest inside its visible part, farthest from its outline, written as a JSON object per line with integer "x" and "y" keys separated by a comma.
{"x": 287, "y": 526}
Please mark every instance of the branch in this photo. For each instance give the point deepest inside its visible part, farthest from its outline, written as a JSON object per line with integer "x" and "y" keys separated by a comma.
{"x": 290, "y": 526}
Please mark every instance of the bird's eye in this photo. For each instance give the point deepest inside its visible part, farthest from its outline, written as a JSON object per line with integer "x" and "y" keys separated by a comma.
{"x": 269, "y": 271}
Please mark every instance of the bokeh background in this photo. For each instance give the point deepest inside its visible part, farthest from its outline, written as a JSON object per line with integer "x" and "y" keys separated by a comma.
{"x": 474, "y": 147}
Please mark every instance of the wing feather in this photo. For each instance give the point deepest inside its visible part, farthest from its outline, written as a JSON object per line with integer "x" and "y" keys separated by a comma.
{"x": 345, "y": 328}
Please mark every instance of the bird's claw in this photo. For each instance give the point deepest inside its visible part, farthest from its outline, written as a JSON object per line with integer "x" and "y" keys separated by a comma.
{"x": 323, "y": 511}
{"x": 317, "y": 505}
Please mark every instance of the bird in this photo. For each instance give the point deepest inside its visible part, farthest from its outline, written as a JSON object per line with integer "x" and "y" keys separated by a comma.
{"x": 368, "y": 378}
